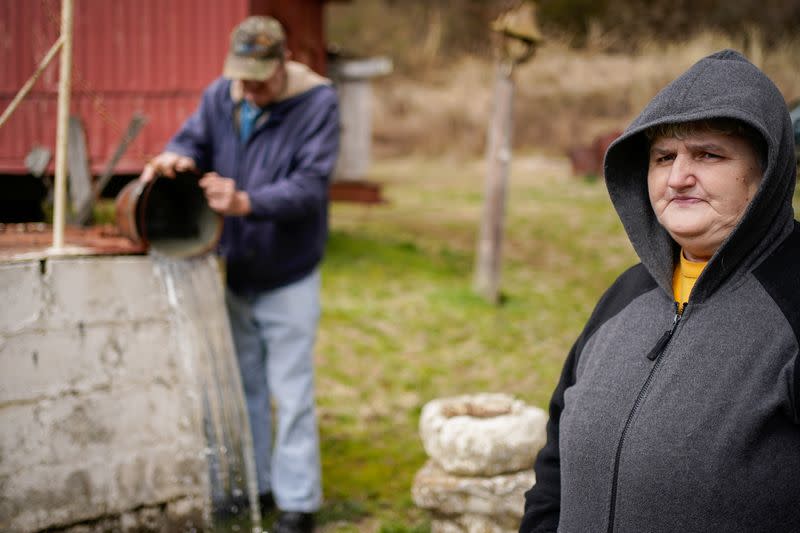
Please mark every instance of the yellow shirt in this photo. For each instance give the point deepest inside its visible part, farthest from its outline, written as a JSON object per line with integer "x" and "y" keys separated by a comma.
{"x": 684, "y": 278}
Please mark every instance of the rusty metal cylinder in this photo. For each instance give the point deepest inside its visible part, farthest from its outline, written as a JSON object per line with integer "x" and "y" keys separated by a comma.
{"x": 169, "y": 215}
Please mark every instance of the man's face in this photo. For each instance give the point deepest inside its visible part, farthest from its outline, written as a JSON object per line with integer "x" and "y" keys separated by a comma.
{"x": 700, "y": 186}
{"x": 261, "y": 93}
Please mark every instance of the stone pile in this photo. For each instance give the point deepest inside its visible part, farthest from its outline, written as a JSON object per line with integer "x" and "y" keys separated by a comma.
{"x": 481, "y": 448}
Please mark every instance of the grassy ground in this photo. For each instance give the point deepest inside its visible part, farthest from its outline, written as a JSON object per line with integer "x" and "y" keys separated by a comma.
{"x": 401, "y": 325}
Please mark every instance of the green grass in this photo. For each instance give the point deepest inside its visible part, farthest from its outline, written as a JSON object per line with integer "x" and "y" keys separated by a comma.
{"x": 402, "y": 326}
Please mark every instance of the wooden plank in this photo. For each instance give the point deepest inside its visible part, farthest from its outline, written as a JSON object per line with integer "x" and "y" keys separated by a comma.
{"x": 37, "y": 160}
{"x": 361, "y": 191}
{"x": 83, "y": 213}
{"x": 80, "y": 180}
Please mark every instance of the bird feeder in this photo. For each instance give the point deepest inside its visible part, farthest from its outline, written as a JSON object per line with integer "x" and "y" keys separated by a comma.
{"x": 517, "y": 34}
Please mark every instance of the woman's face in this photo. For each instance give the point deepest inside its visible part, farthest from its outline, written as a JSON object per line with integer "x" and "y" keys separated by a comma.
{"x": 700, "y": 186}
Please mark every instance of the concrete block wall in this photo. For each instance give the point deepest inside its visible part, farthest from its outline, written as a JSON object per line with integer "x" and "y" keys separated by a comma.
{"x": 99, "y": 411}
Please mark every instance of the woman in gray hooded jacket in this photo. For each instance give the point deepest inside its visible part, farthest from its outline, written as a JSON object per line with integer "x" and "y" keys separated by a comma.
{"x": 678, "y": 408}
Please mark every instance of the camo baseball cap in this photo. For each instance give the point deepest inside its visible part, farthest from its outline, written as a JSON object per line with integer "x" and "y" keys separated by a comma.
{"x": 258, "y": 45}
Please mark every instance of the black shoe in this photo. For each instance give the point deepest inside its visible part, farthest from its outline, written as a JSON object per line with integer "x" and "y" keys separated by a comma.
{"x": 230, "y": 507}
{"x": 294, "y": 522}
{"x": 266, "y": 502}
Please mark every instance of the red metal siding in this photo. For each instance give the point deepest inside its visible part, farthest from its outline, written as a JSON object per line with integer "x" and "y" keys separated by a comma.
{"x": 149, "y": 56}
{"x": 105, "y": 119}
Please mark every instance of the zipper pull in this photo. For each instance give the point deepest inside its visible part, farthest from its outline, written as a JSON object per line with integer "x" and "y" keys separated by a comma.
{"x": 666, "y": 336}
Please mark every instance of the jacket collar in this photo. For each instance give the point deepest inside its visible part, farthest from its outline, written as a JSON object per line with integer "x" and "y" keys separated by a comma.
{"x": 300, "y": 79}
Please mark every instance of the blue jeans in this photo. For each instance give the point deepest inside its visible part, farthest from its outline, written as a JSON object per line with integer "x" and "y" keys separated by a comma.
{"x": 274, "y": 334}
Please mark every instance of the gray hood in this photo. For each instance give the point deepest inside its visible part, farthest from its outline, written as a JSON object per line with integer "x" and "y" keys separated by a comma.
{"x": 722, "y": 85}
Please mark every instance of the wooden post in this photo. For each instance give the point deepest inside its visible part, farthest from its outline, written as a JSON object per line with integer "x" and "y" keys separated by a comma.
{"x": 498, "y": 161}
{"x": 62, "y": 131}
{"x": 516, "y": 38}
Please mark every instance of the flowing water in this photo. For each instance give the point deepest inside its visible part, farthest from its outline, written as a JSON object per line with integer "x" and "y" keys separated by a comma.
{"x": 196, "y": 295}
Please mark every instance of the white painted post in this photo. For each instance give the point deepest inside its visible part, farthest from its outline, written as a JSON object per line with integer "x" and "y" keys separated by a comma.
{"x": 64, "y": 85}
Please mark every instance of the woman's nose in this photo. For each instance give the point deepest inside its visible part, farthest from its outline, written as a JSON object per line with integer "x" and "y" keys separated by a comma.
{"x": 681, "y": 173}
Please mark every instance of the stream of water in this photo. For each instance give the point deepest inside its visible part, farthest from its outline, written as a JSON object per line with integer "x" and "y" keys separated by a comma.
{"x": 196, "y": 294}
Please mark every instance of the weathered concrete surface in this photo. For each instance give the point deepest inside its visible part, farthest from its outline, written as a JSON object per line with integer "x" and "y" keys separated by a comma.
{"x": 99, "y": 415}
{"x": 176, "y": 516}
{"x": 497, "y": 500}
{"x": 482, "y": 434}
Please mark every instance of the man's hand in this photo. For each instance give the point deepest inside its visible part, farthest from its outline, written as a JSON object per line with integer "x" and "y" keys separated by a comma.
{"x": 223, "y": 197}
{"x": 166, "y": 164}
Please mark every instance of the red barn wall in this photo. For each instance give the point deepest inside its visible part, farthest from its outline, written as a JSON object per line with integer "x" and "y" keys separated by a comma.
{"x": 149, "y": 56}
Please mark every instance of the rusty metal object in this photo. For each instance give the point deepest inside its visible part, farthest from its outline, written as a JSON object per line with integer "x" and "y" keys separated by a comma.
{"x": 32, "y": 238}
{"x": 126, "y": 204}
{"x": 587, "y": 160}
{"x": 169, "y": 215}
{"x": 363, "y": 192}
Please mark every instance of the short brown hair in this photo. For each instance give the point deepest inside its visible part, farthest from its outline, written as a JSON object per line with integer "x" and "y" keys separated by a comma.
{"x": 724, "y": 126}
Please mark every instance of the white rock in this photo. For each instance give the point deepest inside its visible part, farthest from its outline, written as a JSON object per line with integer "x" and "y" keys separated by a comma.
{"x": 500, "y": 497}
{"x": 482, "y": 434}
{"x": 471, "y": 524}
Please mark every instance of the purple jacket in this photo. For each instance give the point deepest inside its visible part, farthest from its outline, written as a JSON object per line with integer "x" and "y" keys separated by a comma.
{"x": 284, "y": 166}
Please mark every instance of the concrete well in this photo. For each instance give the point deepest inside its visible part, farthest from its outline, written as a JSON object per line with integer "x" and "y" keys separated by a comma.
{"x": 101, "y": 409}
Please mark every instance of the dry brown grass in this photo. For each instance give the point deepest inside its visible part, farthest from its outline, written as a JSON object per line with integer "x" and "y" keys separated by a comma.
{"x": 563, "y": 96}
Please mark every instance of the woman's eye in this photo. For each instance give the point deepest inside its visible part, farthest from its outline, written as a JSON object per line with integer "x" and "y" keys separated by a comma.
{"x": 709, "y": 155}
{"x": 665, "y": 158}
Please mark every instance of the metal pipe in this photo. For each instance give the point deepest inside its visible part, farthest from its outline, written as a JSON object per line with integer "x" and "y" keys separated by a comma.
{"x": 64, "y": 85}
{"x": 23, "y": 92}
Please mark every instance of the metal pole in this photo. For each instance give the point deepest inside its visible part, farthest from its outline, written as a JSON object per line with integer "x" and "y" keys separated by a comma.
{"x": 64, "y": 83}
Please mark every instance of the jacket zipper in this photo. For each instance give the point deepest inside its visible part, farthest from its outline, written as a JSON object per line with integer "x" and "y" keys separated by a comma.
{"x": 653, "y": 355}
{"x": 666, "y": 336}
